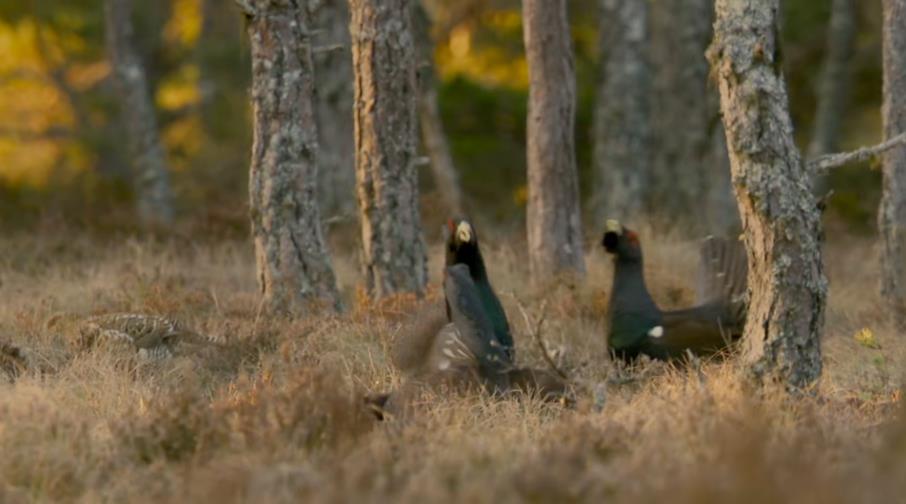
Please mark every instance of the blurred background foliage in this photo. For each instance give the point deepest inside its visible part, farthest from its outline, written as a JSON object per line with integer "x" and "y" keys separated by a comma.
{"x": 62, "y": 149}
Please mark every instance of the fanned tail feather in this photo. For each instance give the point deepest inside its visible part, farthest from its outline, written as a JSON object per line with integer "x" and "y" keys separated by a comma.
{"x": 723, "y": 275}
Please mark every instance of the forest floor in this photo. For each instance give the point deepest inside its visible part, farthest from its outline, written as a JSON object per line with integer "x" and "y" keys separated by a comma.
{"x": 273, "y": 412}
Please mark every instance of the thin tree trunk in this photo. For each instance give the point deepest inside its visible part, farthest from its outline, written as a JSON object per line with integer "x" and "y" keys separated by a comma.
{"x": 394, "y": 257}
{"x": 833, "y": 85}
{"x": 553, "y": 214}
{"x": 294, "y": 269}
{"x": 333, "y": 65}
{"x": 691, "y": 174}
{"x": 446, "y": 180}
{"x": 150, "y": 174}
{"x": 892, "y": 213}
{"x": 779, "y": 214}
{"x": 622, "y": 123}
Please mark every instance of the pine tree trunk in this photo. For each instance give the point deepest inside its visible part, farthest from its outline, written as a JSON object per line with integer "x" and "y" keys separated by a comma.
{"x": 622, "y": 122}
{"x": 393, "y": 257}
{"x": 553, "y": 214}
{"x": 150, "y": 175}
{"x": 690, "y": 184}
{"x": 892, "y": 213}
{"x": 333, "y": 73}
{"x": 835, "y": 76}
{"x": 779, "y": 214}
{"x": 446, "y": 180}
{"x": 294, "y": 269}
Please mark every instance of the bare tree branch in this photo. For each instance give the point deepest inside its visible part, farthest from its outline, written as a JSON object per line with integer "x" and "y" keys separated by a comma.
{"x": 535, "y": 330}
{"x": 839, "y": 159}
{"x": 246, "y": 7}
{"x": 328, "y": 48}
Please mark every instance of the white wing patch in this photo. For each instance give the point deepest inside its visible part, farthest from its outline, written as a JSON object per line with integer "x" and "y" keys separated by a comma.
{"x": 656, "y": 331}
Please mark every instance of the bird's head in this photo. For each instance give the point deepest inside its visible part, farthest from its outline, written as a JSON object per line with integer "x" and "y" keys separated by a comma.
{"x": 621, "y": 242}
{"x": 462, "y": 245}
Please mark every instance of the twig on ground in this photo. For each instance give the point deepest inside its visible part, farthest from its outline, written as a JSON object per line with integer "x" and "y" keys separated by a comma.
{"x": 841, "y": 158}
{"x": 535, "y": 330}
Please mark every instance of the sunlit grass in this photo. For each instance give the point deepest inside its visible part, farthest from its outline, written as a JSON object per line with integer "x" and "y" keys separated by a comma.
{"x": 274, "y": 416}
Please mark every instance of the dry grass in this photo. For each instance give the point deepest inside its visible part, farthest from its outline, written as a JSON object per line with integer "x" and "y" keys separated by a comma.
{"x": 273, "y": 415}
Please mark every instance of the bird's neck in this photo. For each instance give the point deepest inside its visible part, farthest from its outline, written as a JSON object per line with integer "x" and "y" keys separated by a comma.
{"x": 630, "y": 293}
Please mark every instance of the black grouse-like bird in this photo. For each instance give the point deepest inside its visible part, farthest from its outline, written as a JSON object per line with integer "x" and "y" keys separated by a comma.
{"x": 461, "y": 354}
{"x": 638, "y": 326}
{"x": 463, "y": 248}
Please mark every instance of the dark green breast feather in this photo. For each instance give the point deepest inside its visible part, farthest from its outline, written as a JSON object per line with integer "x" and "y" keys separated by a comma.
{"x": 628, "y": 329}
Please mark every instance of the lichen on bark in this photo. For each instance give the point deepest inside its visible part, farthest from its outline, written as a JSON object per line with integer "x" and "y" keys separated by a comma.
{"x": 779, "y": 214}
{"x": 294, "y": 269}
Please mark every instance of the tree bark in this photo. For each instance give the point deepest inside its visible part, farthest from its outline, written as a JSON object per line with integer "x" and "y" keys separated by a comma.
{"x": 892, "y": 213}
{"x": 446, "y": 179}
{"x": 553, "y": 215}
{"x": 622, "y": 122}
{"x": 394, "y": 257}
{"x": 779, "y": 214}
{"x": 833, "y": 86}
{"x": 690, "y": 171}
{"x": 333, "y": 65}
{"x": 294, "y": 269}
{"x": 150, "y": 174}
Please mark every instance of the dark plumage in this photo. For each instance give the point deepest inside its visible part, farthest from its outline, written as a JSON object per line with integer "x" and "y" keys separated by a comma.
{"x": 461, "y": 354}
{"x": 638, "y": 326}
{"x": 463, "y": 248}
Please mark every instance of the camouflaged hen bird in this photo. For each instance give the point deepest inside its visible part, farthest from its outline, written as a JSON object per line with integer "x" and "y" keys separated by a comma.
{"x": 12, "y": 361}
{"x": 154, "y": 337}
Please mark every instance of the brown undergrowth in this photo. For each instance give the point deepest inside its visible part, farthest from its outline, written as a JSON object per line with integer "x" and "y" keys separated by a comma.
{"x": 274, "y": 415}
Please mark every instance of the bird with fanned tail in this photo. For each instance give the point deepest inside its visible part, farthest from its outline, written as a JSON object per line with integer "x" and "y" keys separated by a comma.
{"x": 639, "y": 327}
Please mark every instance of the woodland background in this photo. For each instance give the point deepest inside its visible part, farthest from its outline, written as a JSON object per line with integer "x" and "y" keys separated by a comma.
{"x": 269, "y": 408}
{"x": 63, "y": 150}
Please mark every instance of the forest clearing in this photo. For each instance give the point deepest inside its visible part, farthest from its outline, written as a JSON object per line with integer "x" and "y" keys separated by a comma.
{"x": 272, "y": 414}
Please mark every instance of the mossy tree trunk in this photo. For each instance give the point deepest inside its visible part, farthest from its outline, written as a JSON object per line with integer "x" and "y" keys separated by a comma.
{"x": 294, "y": 268}
{"x": 150, "y": 175}
{"x": 780, "y": 217}
{"x": 554, "y": 220}
{"x": 892, "y": 213}
{"x": 622, "y": 122}
{"x": 393, "y": 251}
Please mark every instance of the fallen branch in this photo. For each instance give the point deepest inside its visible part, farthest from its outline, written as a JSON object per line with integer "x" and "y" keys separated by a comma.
{"x": 535, "y": 329}
{"x": 829, "y": 161}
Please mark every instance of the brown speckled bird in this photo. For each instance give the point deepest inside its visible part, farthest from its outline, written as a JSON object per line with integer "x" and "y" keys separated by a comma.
{"x": 13, "y": 361}
{"x": 154, "y": 337}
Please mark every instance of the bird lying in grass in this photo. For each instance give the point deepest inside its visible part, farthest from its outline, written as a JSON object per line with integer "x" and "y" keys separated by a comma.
{"x": 639, "y": 327}
{"x": 12, "y": 361}
{"x": 153, "y": 337}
